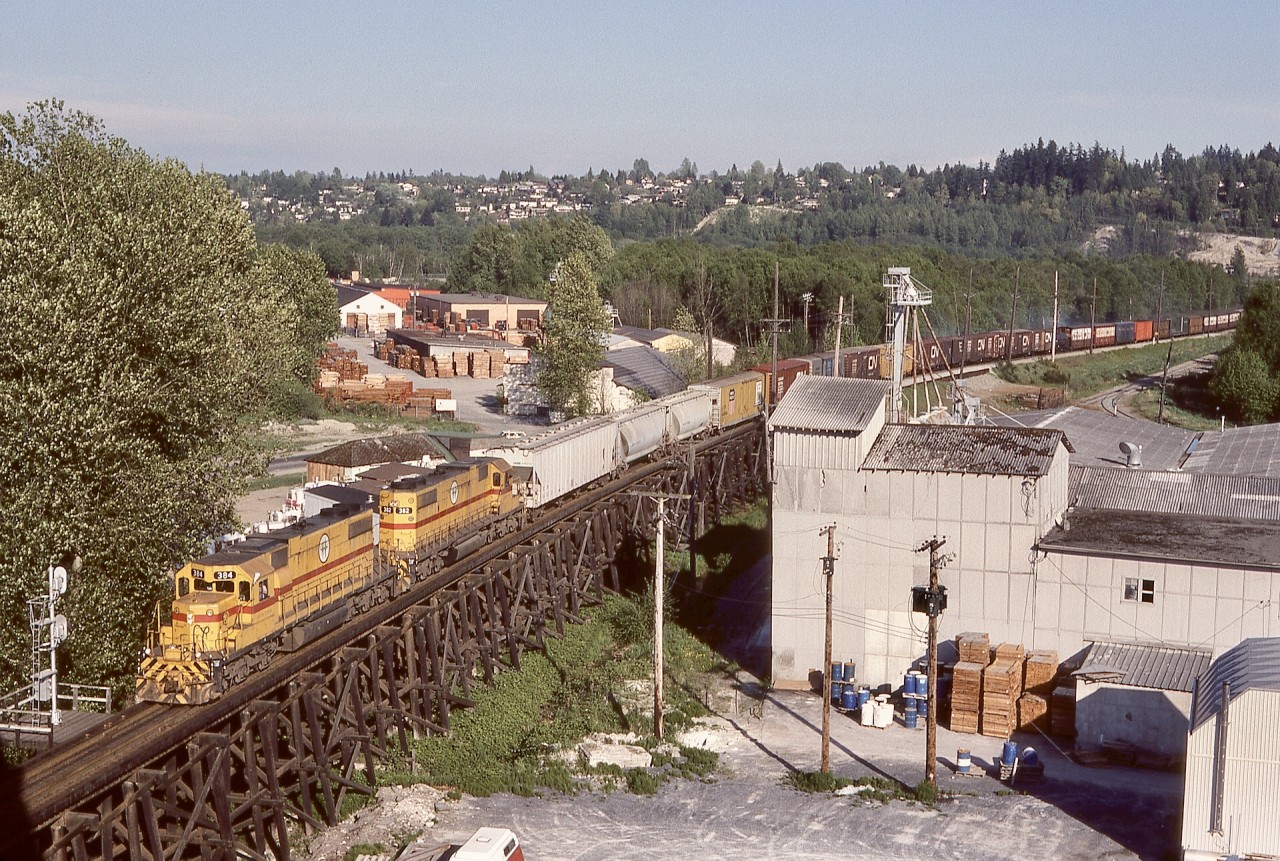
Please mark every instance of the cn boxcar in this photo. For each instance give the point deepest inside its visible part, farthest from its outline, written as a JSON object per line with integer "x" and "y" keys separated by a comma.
{"x": 1126, "y": 332}
{"x": 734, "y": 399}
{"x": 861, "y": 362}
{"x": 1142, "y": 331}
{"x": 788, "y": 371}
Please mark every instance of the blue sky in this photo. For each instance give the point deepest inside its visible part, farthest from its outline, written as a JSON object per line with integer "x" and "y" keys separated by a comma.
{"x": 563, "y": 86}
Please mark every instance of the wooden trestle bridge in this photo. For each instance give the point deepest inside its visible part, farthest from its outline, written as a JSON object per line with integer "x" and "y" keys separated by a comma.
{"x": 277, "y": 755}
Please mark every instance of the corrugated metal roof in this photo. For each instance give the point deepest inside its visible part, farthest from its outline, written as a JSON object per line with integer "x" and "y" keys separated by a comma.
{"x": 976, "y": 450}
{"x": 1253, "y": 664}
{"x": 1140, "y": 665}
{"x": 1234, "y": 496}
{"x": 1238, "y": 451}
{"x": 385, "y": 449}
{"x": 838, "y": 404}
{"x": 644, "y": 369}
{"x": 1096, "y": 436}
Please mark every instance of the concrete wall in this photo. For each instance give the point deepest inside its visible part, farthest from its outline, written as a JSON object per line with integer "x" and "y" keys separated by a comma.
{"x": 1198, "y": 604}
{"x": 991, "y": 523}
{"x": 1252, "y": 785}
{"x": 1150, "y": 719}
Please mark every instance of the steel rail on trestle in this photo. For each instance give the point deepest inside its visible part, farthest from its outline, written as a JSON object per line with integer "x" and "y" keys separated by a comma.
{"x": 229, "y": 779}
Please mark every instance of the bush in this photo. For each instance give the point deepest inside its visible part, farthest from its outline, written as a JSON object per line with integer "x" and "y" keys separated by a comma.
{"x": 641, "y": 782}
{"x": 815, "y": 781}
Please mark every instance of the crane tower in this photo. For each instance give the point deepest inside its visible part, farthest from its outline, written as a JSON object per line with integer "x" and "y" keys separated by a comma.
{"x": 906, "y": 297}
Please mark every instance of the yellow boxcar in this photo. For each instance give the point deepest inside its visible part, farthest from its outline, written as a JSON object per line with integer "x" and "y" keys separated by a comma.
{"x": 455, "y": 508}
{"x": 233, "y": 609}
{"x": 734, "y": 399}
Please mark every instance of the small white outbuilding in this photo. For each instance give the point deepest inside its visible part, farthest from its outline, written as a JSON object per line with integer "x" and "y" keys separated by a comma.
{"x": 1229, "y": 803}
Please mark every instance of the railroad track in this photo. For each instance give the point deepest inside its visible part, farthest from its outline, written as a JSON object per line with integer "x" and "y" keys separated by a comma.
{"x": 67, "y": 776}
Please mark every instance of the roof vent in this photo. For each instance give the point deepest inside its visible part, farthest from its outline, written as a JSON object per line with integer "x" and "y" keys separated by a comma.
{"x": 1133, "y": 454}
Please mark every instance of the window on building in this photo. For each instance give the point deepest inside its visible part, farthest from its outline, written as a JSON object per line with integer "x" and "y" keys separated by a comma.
{"x": 1139, "y": 590}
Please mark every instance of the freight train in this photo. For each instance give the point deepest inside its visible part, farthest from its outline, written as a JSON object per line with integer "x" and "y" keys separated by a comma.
{"x": 233, "y": 610}
{"x": 937, "y": 354}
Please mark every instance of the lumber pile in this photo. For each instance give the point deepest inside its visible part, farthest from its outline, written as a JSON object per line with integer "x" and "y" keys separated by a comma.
{"x": 966, "y": 695}
{"x": 974, "y": 648}
{"x": 1040, "y": 671}
{"x": 1001, "y": 687}
{"x": 1033, "y": 711}
{"x": 342, "y": 362}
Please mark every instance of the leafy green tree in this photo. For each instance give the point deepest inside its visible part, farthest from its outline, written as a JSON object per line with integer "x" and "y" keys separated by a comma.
{"x": 572, "y": 345}
{"x": 135, "y": 340}
{"x": 1259, "y": 328}
{"x": 1245, "y": 386}
{"x": 1239, "y": 267}
{"x": 307, "y": 299}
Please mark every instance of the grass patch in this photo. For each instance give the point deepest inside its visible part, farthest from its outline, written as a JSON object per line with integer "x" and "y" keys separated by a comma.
{"x": 364, "y": 849}
{"x": 874, "y": 788}
{"x": 510, "y": 740}
{"x": 1085, "y": 374}
{"x": 271, "y": 482}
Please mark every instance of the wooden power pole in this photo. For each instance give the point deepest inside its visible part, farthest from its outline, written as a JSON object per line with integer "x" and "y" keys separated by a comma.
{"x": 935, "y": 601}
{"x": 1013, "y": 312}
{"x": 1053, "y": 334}
{"x": 828, "y": 570}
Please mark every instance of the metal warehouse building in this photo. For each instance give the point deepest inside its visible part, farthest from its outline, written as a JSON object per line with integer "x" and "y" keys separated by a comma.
{"x": 1046, "y": 555}
{"x": 1230, "y": 802}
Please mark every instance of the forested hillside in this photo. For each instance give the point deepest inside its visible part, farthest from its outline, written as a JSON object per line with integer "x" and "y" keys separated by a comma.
{"x": 1035, "y": 199}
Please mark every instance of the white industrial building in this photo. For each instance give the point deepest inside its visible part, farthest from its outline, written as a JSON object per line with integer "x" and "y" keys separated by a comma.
{"x": 365, "y": 313}
{"x": 1229, "y": 805}
{"x": 1047, "y": 555}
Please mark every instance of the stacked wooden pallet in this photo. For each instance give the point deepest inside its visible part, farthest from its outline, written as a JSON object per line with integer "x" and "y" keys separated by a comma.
{"x": 1001, "y": 687}
{"x": 343, "y": 362}
{"x": 1038, "y": 676}
{"x": 974, "y": 648}
{"x": 966, "y": 695}
{"x": 974, "y": 651}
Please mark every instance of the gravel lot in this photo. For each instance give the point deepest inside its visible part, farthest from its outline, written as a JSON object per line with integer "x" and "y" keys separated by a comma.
{"x": 747, "y": 812}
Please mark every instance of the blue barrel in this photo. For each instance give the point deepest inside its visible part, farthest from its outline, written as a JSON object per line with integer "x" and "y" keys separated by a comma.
{"x": 922, "y": 686}
{"x": 922, "y": 706}
{"x": 1010, "y": 754}
{"x": 849, "y": 698}
{"x": 1029, "y": 756}
{"x": 909, "y": 716}
{"x": 837, "y": 674}
{"x": 963, "y": 760}
{"x": 909, "y": 684}
{"x": 837, "y": 688}
{"x": 864, "y": 696}
{"x": 850, "y": 672}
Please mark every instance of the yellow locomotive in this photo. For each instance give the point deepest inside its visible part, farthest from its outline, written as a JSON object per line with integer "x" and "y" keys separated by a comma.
{"x": 455, "y": 510}
{"x": 234, "y": 609}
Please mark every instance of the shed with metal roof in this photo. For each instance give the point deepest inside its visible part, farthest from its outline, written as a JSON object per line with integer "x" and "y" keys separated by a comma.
{"x": 1138, "y": 694}
{"x": 1232, "y": 777}
{"x": 969, "y": 450}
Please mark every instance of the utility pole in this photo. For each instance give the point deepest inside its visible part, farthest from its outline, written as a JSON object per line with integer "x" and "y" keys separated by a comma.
{"x": 828, "y": 570}
{"x": 839, "y": 328}
{"x": 1159, "y": 309}
{"x": 1093, "y": 316}
{"x": 1013, "y": 313}
{"x": 968, "y": 319}
{"x": 1164, "y": 382}
{"x": 775, "y": 324}
{"x": 807, "y": 298}
{"x": 1053, "y": 335}
{"x": 935, "y": 601}
{"x": 659, "y": 593}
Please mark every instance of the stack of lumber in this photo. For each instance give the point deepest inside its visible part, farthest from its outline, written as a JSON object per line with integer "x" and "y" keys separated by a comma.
{"x": 1001, "y": 687}
{"x": 479, "y": 363}
{"x": 1038, "y": 676}
{"x": 343, "y": 362}
{"x": 974, "y": 651}
{"x": 444, "y": 366}
{"x": 974, "y": 648}
{"x": 966, "y": 695}
{"x": 1062, "y": 711}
